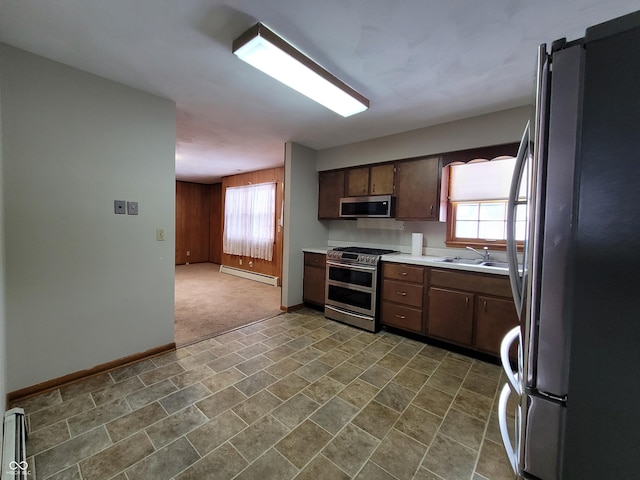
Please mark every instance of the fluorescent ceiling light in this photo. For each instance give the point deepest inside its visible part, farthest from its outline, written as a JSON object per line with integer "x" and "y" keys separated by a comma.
{"x": 266, "y": 51}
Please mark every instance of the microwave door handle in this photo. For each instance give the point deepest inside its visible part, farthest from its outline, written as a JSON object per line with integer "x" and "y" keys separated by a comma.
{"x": 504, "y": 429}
{"x": 505, "y": 346}
{"x": 512, "y": 204}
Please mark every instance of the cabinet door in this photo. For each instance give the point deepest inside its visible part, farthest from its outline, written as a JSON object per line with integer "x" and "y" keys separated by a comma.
{"x": 417, "y": 189}
{"x": 313, "y": 285}
{"x": 330, "y": 190}
{"x": 357, "y": 181}
{"x": 381, "y": 182}
{"x": 494, "y": 318}
{"x": 451, "y": 315}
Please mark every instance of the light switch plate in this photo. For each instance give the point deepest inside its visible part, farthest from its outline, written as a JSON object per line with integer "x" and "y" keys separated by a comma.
{"x": 119, "y": 207}
{"x": 160, "y": 234}
{"x": 132, "y": 208}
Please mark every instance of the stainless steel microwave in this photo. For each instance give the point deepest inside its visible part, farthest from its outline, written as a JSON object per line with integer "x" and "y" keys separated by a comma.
{"x": 376, "y": 206}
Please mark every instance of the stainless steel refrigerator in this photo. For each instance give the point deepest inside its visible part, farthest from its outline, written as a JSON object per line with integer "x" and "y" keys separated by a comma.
{"x": 577, "y": 383}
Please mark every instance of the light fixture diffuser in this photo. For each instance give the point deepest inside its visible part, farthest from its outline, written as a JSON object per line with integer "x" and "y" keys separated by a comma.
{"x": 266, "y": 51}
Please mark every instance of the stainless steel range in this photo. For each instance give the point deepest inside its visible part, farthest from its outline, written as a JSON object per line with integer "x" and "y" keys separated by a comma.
{"x": 352, "y": 286}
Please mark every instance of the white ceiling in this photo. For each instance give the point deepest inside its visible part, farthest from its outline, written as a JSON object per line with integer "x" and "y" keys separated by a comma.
{"x": 420, "y": 63}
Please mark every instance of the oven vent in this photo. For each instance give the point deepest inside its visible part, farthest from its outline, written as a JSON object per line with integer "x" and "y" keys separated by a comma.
{"x": 14, "y": 452}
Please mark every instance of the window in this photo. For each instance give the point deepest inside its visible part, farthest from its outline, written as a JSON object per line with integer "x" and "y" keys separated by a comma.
{"x": 477, "y": 203}
{"x": 249, "y": 221}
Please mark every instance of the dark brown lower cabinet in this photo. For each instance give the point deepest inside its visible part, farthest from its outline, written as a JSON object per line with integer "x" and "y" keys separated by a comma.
{"x": 451, "y": 315}
{"x": 313, "y": 282}
{"x": 494, "y": 318}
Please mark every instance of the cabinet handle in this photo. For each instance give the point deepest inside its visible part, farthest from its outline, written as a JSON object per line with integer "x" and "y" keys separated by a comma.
{"x": 430, "y": 209}
{"x": 467, "y": 302}
{"x": 404, "y": 294}
{"x": 373, "y": 188}
{"x": 404, "y": 274}
{"x": 401, "y": 317}
{"x": 485, "y": 306}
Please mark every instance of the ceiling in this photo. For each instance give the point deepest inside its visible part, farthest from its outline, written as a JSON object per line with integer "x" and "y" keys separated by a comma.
{"x": 420, "y": 63}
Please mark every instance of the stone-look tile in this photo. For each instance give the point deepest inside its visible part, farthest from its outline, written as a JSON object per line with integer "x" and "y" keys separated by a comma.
{"x": 256, "y": 439}
{"x": 350, "y": 449}
{"x": 116, "y": 458}
{"x": 345, "y": 334}
{"x": 485, "y": 369}
{"x": 117, "y": 390}
{"x": 254, "y": 364}
{"x": 435, "y": 353}
{"x": 135, "y": 421}
{"x": 376, "y": 419}
{"x": 307, "y": 355}
{"x": 323, "y": 389}
{"x": 390, "y": 338}
{"x": 195, "y": 375}
{"x": 46, "y": 438}
{"x": 72, "y": 473}
{"x": 407, "y": 349}
{"x": 292, "y": 412}
{"x": 482, "y": 385}
{"x": 411, "y": 379}
{"x": 166, "y": 463}
{"x": 392, "y": 362}
{"x": 252, "y": 338}
{"x": 423, "y": 364}
{"x": 217, "y": 403}
{"x": 270, "y": 465}
{"x": 418, "y": 424}
{"x": 358, "y": 393}
{"x": 283, "y": 368}
{"x": 301, "y": 342}
{"x": 433, "y": 400}
{"x": 473, "y": 403}
{"x": 199, "y": 359}
{"x": 160, "y": 373}
{"x": 277, "y": 341}
{"x": 256, "y": 406}
{"x": 273, "y": 331}
{"x": 229, "y": 336}
{"x": 170, "y": 357}
{"x": 493, "y": 462}
{"x": 320, "y": 467}
{"x": 395, "y": 396}
{"x": 95, "y": 417}
{"x": 460, "y": 357}
{"x": 314, "y": 370}
{"x": 424, "y": 474}
{"x": 377, "y": 375}
{"x": 378, "y": 349}
{"x": 326, "y": 344}
{"x": 463, "y": 428}
{"x": 228, "y": 361}
{"x": 303, "y": 443}
{"x": 318, "y": 334}
{"x": 288, "y": 386}
{"x": 223, "y": 380}
{"x": 402, "y": 466}
{"x": 334, "y": 358}
{"x": 334, "y": 415}
{"x": 352, "y": 346}
{"x": 480, "y": 477}
{"x": 214, "y": 433}
{"x": 227, "y": 348}
{"x": 345, "y": 373}
{"x": 253, "y": 350}
{"x": 33, "y": 404}
{"x": 61, "y": 411}
{"x": 180, "y": 399}
{"x": 131, "y": 370}
{"x": 493, "y": 429}
{"x": 150, "y": 394}
{"x": 445, "y": 382}
{"x": 280, "y": 352}
{"x": 454, "y": 367}
{"x": 89, "y": 385}
{"x": 171, "y": 428}
{"x": 371, "y": 471}
{"x": 254, "y": 383}
{"x": 70, "y": 452}
{"x": 449, "y": 459}
{"x": 363, "y": 360}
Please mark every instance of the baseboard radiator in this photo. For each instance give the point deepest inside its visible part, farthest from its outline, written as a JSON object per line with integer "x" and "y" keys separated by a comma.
{"x": 14, "y": 451}
{"x": 258, "y": 277}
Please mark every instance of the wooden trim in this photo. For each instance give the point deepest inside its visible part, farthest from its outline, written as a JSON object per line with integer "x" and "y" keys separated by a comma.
{"x": 84, "y": 374}
{"x": 292, "y": 308}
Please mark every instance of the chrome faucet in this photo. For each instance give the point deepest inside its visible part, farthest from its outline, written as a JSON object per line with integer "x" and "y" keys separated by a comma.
{"x": 485, "y": 256}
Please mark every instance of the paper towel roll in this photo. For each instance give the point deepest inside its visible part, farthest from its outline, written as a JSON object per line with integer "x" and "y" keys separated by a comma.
{"x": 416, "y": 244}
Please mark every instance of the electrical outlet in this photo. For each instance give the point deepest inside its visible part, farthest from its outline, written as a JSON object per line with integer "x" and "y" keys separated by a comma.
{"x": 188, "y": 253}
{"x": 119, "y": 207}
{"x": 160, "y": 234}
{"x": 132, "y": 208}
{"x": 240, "y": 260}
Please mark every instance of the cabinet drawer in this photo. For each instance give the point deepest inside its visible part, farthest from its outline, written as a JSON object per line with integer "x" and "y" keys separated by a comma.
{"x": 402, "y": 317}
{"x": 406, "y": 273}
{"x": 488, "y": 284}
{"x": 405, "y": 293}
{"x": 315, "y": 259}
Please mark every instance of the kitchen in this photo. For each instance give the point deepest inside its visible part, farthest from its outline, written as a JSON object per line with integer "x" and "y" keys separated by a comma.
{"x": 301, "y": 165}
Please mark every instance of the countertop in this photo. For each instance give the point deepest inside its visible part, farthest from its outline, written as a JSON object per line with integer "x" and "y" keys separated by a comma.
{"x": 427, "y": 261}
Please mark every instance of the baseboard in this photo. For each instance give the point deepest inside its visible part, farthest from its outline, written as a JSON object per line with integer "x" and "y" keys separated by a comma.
{"x": 258, "y": 277}
{"x": 84, "y": 374}
{"x": 292, "y": 308}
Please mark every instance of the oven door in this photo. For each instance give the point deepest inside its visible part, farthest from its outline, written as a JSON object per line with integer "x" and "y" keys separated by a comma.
{"x": 351, "y": 287}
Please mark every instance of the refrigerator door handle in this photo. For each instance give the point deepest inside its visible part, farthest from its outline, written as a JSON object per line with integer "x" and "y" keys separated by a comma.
{"x": 505, "y": 346}
{"x": 517, "y": 285}
{"x": 504, "y": 429}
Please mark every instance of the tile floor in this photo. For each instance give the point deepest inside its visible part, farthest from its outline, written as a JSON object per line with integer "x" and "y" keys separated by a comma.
{"x": 295, "y": 396}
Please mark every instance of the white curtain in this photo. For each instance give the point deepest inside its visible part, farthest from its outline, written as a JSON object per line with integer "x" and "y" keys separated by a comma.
{"x": 249, "y": 220}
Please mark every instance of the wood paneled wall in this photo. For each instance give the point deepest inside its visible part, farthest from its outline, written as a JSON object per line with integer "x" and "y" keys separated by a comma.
{"x": 215, "y": 236}
{"x": 273, "y": 268}
{"x": 193, "y": 222}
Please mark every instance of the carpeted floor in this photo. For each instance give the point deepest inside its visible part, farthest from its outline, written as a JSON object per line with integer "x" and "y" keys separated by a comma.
{"x": 208, "y": 302}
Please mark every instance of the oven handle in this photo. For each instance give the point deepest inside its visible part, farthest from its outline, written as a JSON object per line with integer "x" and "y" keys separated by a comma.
{"x": 351, "y": 266}
{"x": 353, "y": 314}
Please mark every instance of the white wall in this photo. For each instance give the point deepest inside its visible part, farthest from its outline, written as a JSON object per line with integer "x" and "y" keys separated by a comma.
{"x": 301, "y": 227}
{"x": 3, "y": 341}
{"x": 83, "y": 286}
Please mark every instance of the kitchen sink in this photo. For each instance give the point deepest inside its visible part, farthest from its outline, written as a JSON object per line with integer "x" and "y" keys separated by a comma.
{"x": 463, "y": 261}
{"x": 495, "y": 264}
